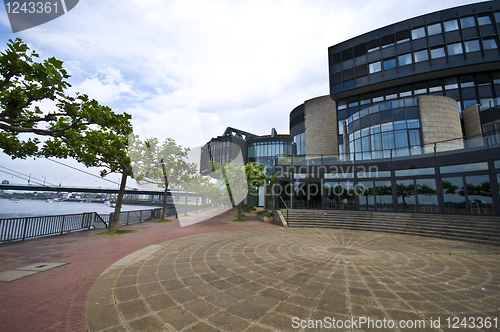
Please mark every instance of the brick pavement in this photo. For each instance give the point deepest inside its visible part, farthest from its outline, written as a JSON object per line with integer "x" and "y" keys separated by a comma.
{"x": 54, "y": 300}
{"x": 260, "y": 279}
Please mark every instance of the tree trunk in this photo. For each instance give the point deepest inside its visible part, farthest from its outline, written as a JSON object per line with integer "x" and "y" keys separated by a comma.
{"x": 164, "y": 203}
{"x": 266, "y": 202}
{"x": 186, "y": 202}
{"x": 113, "y": 227}
{"x": 239, "y": 210}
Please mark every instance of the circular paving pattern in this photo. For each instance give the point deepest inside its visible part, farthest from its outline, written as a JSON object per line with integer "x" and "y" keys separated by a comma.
{"x": 277, "y": 278}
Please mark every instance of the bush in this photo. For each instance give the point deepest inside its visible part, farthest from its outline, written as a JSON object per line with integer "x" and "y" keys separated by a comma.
{"x": 247, "y": 208}
{"x": 265, "y": 213}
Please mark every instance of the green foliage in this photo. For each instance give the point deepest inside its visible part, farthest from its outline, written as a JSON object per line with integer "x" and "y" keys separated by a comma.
{"x": 163, "y": 164}
{"x": 24, "y": 82}
{"x": 247, "y": 208}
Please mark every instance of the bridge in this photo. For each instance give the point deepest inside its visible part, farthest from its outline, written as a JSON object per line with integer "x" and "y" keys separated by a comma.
{"x": 98, "y": 190}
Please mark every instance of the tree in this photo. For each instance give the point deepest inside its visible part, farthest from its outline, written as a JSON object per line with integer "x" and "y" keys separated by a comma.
{"x": 164, "y": 165}
{"x": 23, "y": 83}
{"x": 100, "y": 147}
{"x": 240, "y": 180}
{"x": 79, "y": 127}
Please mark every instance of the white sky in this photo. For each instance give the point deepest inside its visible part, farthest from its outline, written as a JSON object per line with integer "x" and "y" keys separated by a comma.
{"x": 188, "y": 69}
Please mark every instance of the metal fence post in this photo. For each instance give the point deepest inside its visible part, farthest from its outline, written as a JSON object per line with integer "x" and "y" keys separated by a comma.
{"x": 62, "y": 226}
{"x": 140, "y": 217}
{"x": 128, "y": 215}
{"x": 25, "y": 227}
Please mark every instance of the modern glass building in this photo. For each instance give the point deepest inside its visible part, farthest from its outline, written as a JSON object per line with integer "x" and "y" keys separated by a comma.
{"x": 410, "y": 124}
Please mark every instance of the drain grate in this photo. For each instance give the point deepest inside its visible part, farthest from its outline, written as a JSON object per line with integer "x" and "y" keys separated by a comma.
{"x": 24, "y": 271}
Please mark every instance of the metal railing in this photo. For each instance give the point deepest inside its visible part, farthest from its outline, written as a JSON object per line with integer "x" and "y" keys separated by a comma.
{"x": 19, "y": 229}
{"x": 286, "y": 209}
{"x": 133, "y": 217}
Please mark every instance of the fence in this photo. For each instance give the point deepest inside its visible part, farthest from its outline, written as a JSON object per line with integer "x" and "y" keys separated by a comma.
{"x": 132, "y": 217}
{"x": 19, "y": 229}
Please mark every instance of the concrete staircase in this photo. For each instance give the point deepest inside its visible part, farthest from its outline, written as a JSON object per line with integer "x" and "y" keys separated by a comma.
{"x": 470, "y": 228}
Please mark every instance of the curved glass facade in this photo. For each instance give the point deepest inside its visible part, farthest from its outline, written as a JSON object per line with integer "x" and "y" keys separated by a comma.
{"x": 300, "y": 144}
{"x": 264, "y": 152}
{"x": 385, "y": 130}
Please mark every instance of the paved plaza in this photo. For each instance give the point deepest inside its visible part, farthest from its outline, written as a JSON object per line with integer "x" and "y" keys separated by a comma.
{"x": 275, "y": 279}
{"x": 219, "y": 275}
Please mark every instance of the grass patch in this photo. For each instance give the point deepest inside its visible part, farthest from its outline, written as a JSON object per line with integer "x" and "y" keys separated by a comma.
{"x": 118, "y": 232}
{"x": 164, "y": 220}
{"x": 5, "y": 261}
{"x": 240, "y": 220}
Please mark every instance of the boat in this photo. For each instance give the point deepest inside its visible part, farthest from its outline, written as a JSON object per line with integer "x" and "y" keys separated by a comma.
{"x": 107, "y": 203}
{"x": 49, "y": 200}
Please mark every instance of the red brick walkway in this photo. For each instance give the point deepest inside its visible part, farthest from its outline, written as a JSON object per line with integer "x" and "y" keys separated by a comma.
{"x": 54, "y": 300}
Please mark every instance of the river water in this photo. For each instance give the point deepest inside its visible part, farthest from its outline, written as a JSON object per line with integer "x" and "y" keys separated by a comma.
{"x": 29, "y": 208}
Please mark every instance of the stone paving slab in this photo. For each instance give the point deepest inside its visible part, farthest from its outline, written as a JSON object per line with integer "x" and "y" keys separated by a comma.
{"x": 54, "y": 300}
{"x": 272, "y": 279}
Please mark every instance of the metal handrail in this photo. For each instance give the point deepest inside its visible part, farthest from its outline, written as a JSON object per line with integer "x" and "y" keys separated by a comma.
{"x": 286, "y": 209}
{"x": 345, "y": 157}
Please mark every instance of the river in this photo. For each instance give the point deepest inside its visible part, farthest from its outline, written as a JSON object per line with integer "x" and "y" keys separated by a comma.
{"x": 33, "y": 208}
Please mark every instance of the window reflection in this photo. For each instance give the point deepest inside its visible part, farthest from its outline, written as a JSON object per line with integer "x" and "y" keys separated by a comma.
{"x": 451, "y": 25}
{"x": 479, "y": 194}
{"x": 406, "y": 196}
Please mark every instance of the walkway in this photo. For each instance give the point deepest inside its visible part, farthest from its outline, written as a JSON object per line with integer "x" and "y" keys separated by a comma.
{"x": 276, "y": 279}
{"x": 54, "y": 299}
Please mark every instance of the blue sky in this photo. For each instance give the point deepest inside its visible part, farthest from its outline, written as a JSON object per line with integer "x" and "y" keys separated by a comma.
{"x": 189, "y": 69}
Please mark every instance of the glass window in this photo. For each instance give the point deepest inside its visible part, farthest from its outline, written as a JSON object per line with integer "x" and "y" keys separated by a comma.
{"x": 419, "y": 88}
{"x": 464, "y": 168}
{"x": 373, "y": 45}
{"x": 389, "y": 63}
{"x": 416, "y": 171}
{"x": 399, "y": 125}
{"x": 353, "y": 102}
{"x": 376, "y": 142}
{"x": 383, "y": 195}
{"x": 414, "y": 123}
{"x": 435, "y": 86}
{"x": 479, "y": 194}
{"x": 497, "y": 17}
{"x": 451, "y": 83}
{"x": 375, "y": 67}
{"x": 414, "y": 137}
{"x": 421, "y": 56}
{"x": 406, "y": 196}
{"x": 366, "y": 192}
{"x": 490, "y": 44}
{"x": 403, "y": 36}
{"x": 427, "y": 196}
{"x": 467, "y": 22}
{"x": 454, "y": 49}
{"x": 454, "y": 195}
{"x": 401, "y": 138}
{"x": 467, "y": 81}
{"x": 375, "y": 129}
{"x": 388, "y": 140}
{"x": 484, "y": 20}
{"x": 451, "y": 25}
{"x": 418, "y": 33}
{"x": 342, "y": 104}
{"x": 405, "y": 59}
{"x": 387, "y": 126}
{"x": 387, "y": 41}
{"x": 437, "y": 53}
{"x": 434, "y": 29}
{"x": 472, "y": 46}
